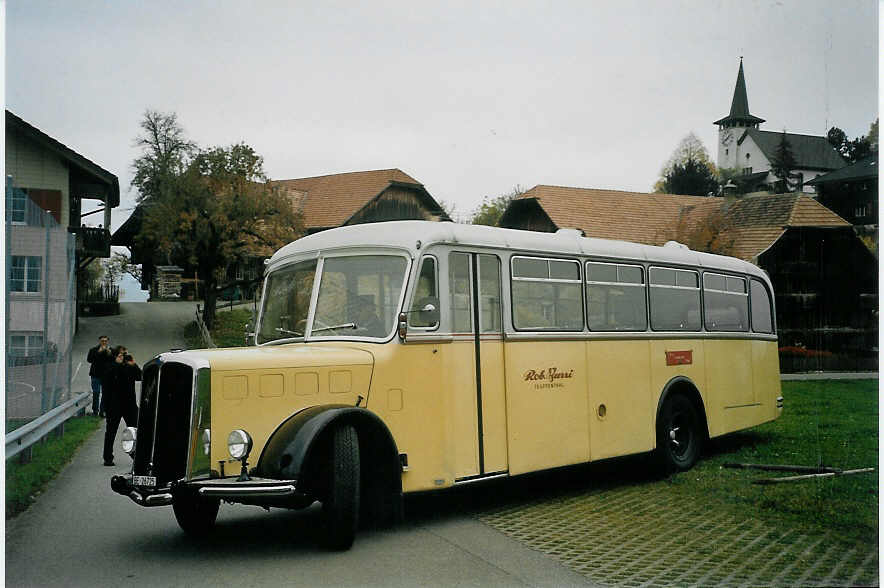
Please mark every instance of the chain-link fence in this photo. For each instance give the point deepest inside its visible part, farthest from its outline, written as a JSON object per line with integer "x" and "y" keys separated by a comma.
{"x": 40, "y": 309}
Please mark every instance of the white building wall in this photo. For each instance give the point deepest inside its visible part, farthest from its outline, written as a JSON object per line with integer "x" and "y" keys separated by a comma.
{"x": 34, "y": 167}
{"x": 26, "y": 312}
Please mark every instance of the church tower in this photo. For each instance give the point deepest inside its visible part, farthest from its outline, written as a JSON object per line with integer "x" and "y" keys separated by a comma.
{"x": 731, "y": 127}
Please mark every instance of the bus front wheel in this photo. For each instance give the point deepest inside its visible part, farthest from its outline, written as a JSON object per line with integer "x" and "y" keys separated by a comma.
{"x": 341, "y": 505}
{"x": 196, "y": 516}
{"x": 679, "y": 439}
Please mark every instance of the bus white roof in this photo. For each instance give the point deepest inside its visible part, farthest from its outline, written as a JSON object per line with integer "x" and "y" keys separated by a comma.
{"x": 416, "y": 236}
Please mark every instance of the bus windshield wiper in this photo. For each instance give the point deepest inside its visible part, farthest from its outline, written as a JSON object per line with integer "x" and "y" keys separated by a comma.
{"x": 287, "y": 332}
{"x": 341, "y": 326}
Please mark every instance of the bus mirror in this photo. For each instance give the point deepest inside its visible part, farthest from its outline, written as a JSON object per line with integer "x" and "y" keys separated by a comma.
{"x": 403, "y": 325}
{"x": 429, "y": 314}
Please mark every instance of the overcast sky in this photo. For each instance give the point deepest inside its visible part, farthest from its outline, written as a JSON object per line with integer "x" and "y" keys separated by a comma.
{"x": 469, "y": 98}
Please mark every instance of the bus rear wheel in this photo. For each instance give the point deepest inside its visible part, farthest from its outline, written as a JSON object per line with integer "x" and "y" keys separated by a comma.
{"x": 341, "y": 505}
{"x": 679, "y": 438}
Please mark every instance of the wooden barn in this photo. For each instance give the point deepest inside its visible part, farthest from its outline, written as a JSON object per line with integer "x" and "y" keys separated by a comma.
{"x": 824, "y": 277}
{"x": 360, "y": 197}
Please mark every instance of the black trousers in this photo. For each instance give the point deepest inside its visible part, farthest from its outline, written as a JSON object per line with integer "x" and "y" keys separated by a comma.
{"x": 128, "y": 414}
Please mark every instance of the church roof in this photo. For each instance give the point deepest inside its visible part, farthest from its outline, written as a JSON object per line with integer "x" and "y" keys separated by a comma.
{"x": 810, "y": 151}
{"x": 740, "y": 104}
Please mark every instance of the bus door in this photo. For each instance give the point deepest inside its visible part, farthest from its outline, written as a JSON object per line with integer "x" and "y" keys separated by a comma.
{"x": 479, "y": 399}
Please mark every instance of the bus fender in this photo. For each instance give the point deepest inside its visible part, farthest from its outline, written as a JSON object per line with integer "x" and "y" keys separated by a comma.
{"x": 293, "y": 449}
{"x": 683, "y": 385}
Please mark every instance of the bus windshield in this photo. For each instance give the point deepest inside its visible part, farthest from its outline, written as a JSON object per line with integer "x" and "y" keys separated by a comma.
{"x": 358, "y": 297}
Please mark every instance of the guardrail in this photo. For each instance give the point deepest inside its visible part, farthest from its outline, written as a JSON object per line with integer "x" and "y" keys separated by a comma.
{"x": 207, "y": 337}
{"x": 24, "y": 437}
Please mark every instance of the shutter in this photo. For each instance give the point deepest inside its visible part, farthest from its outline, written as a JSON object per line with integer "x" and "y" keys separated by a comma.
{"x": 49, "y": 200}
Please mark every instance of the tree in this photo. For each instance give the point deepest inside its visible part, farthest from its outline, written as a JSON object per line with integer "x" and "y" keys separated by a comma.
{"x": 166, "y": 152}
{"x": 856, "y": 149}
{"x": 688, "y": 170}
{"x": 492, "y": 209}
{"x": 782, "y": 165}
{"x": 120, "y": 264}
{"x": 691, "y": 177}
{"x": 207, "y": 208}
{"x": 707, "y": 231}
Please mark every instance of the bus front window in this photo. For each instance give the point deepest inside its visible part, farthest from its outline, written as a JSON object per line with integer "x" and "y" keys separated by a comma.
{"x": 287, "y": 302}
{"x": 359, "y": 296}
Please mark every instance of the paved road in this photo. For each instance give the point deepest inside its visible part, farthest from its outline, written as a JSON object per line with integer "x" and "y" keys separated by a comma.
{"x": 79, "y": 533}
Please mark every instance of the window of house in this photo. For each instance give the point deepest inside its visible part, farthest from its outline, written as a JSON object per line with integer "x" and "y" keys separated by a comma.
{"x": 26, "y": 273}
{"x": 748, "y": 155}
{"x": 675, "y": 299}
{"x": 615, "y": 297}
{"x": 861, "y": 211}
{"x": 747, "y": 171}
{"x": 25, "y": 348}
{"x": 725, "y": 302}
{"x": 15, "y": 206}
{"x": 547, "y": 294}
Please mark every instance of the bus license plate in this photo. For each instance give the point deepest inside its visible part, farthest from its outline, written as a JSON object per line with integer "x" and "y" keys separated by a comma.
{"x": 144, "y": 481}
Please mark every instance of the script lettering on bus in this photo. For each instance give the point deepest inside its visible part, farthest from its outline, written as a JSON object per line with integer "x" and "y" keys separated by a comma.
{"x": 548, "y": 378}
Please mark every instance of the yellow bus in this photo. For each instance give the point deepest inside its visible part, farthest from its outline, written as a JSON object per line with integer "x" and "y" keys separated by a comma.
{"x": 412, "y": 356}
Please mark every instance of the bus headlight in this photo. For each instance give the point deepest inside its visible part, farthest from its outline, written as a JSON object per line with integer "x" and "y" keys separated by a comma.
{"x": 207, "y": 441}
{"x": 239, "y": 444}
{"x": 128, "y": 440}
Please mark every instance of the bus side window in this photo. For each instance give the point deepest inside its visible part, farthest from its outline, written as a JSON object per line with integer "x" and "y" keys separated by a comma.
{"x": 425, "y": 292}
{"x": 546, "y": 294}
{"x": 615, "y": 297}
{"x": 762, "y": 321}
{"x": 459, "y": 293}
{"x": 725, "y": 302}
{"x": 489, "y": 294}
{"x": 675, "y": 299}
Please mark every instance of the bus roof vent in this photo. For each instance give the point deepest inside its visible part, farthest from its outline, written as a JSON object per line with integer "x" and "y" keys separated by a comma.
{"x": 570, "y": 233}
{"x": 676, "y": 245}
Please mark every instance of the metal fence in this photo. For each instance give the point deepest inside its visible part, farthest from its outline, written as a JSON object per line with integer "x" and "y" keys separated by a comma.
{"x": 40, "y": 310}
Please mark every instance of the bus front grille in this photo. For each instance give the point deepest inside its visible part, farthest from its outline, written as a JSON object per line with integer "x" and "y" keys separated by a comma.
{"x": 164, "y": 421}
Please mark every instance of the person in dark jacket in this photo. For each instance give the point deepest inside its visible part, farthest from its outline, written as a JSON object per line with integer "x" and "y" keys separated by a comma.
{"x": 120, "y": 400}
{"x": 100, "y": 357}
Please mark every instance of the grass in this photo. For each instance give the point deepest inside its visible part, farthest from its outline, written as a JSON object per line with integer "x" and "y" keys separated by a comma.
{"x": 831, "y": 423}
{"x": 229, "y": 330}
{"x": 25, "y": 481}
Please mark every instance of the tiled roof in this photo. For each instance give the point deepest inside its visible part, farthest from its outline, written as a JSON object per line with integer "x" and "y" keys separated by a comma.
{"x": 810, "y": 151}
{"x": 754, "y": 222}
{"x": 612, "y": 214}
{"x": 328, "y": 201}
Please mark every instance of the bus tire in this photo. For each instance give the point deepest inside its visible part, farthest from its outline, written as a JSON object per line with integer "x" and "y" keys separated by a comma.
{"x": 196, "y": 516}
{"x": 340, "y": 508}
{"x": 679, "y": 435}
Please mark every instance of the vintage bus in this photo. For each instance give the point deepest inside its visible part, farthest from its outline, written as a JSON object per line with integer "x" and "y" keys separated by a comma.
{"x": 412, "y": 356}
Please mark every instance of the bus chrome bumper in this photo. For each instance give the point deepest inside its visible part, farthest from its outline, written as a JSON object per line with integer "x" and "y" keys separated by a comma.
{"x": 222, "y": 488}
{"x": 141, "y": 495}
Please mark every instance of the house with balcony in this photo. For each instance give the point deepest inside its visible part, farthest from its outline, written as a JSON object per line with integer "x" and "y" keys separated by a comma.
{"x": 46, "y": 185}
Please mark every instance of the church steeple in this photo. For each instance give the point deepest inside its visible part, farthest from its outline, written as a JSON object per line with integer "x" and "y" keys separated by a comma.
{"x": 739, "y": 115}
